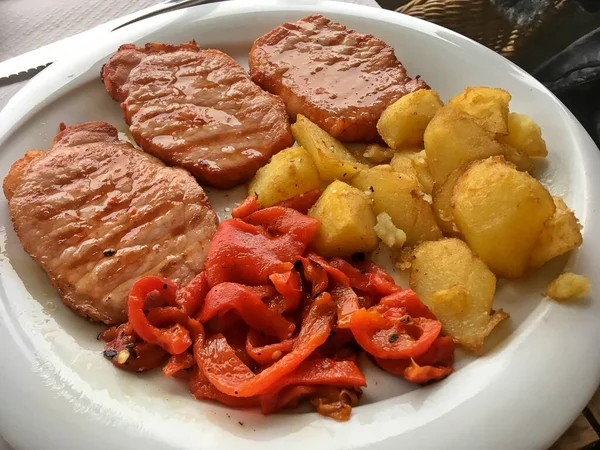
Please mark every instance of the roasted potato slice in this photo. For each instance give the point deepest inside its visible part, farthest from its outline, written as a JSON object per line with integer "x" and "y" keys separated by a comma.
{"x": 346, "y": 221}
{"x": 289, "y": 173}
{"x": 401, "y": 197}
{"x": 560, "y": 234}
{"x": 488, "y": 107}
{"x": 403, "y": 123}
{"x": 332, "y": 159}
{"x": 442, "y": 201}
{"x": 501, "y": 212}
{"x": 453, "y": 139}
{"x": 458, "y": 288}
{"x": 525, "y": 135}
{"x": 414, "y": 164}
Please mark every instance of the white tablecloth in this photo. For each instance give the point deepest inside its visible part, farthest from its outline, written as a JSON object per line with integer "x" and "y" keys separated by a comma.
{"x": 28, "y": 24}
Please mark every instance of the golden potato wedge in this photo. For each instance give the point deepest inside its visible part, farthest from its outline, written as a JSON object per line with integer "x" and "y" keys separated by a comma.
{"x": 289, "y": 173}
{"x": 332, "y": 159}
{"x": 518, "y": 158}
{"x": 453, "y": 139}
{"x": 420, "y": 164}
{"x": 403, "y": 123}
{"x": 525, "y": 135}
{"x": 346, "y": 221}
{"x": 403, "y": 164}
{"x": 500, "y": 212}
{"x": 488, "y": 107}
{"x": 458, "y": 288}
{"x": 400, "y": 196}
{"x": 442, "y": 202}
{"x": 568, "y": 286}
{"x": 414, "y": 164}
{"x": 560, "y": 234}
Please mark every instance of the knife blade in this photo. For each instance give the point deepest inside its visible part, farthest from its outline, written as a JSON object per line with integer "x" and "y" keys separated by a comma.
{"x": 28, "y": 64}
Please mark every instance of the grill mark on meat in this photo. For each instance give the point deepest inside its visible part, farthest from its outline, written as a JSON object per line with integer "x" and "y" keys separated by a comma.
{"x": 91, "y": 193}
{"x": 184, "y": 105}
{"x": 339, "y": 78}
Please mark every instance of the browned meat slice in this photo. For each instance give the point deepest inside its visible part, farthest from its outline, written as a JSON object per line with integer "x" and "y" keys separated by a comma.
{"x": 197, "y": 109}
{"x": 98, "y": 215}
{"x": 338, "y": 78}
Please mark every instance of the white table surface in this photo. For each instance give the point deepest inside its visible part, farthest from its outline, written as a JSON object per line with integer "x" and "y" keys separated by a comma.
{"x": 28, "y": 24}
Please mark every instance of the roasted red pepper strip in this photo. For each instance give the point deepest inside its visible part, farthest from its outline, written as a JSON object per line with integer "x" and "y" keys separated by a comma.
{"x": 305, "y": 379}
{"x": 267, "y": 242}
{"x": 285, "y": 398}
{"x": 174, "y": 339}
{"x": 249, "y": 306}
{"x": 371, "y": 279}
{"x": 434, "y": 364}
{"x": 337, "y": 341}
{"x": 333, "y": 272}
{"x": 177, "y": 363}
{"x": 410, "y": 301}
{"x": 141, "y": 356}
{"x": 288, "y": 285}
{"x": 247, "y": 207}
{"x": 393, "y": 336}
{"x": 302, "y": 202}
{"x": 322, "y": 371}
{"x": 190, "y": 298}
{"x": 315, "y": 274}
{"x": 230, "y": 376}
{"x": 262, "y": 351}
{"x": 201, "y": 388}
{"x": 236, "y": 338}
{"x": 346, "y": 301}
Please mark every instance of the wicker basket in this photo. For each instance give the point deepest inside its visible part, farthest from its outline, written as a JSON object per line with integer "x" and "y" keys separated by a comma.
{"x": 481, "y": 21}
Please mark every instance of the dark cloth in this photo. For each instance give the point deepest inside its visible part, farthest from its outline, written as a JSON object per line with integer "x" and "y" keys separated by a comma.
{"x": 573, "y": 75}
{"x": 523, "y": 13}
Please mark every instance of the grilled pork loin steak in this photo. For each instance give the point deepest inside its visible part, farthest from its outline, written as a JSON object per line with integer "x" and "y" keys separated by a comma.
{"x": 98, "y": 214}
{"x": 197, "y": 109}
{"x": 340, "y": 79}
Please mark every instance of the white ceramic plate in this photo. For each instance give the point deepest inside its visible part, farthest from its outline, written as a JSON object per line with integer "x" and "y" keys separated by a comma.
{"x": 538, "y": 371}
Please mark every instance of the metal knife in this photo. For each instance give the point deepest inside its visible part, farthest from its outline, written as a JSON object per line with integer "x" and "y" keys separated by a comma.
{"x": 28, "y": 64}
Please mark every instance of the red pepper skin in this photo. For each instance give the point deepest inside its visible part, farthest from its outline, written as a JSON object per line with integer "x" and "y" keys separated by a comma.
{"x": 289, "y": 286}
{"x": 267, "y": 241}
{"x": 247, "y": 207}
{"x": 370, "y": 278}
{"x": 346, "y": 301}
{"x": 230, "y": 376}
{"x": 305, "y": 379}
{"x": 202, "y": 389}
{"x": 177, "y": 363}
{"x": 384, "y": 334}
{"x": 315, "y": 274}
{"x": 191, "y": 297}
{"x": 249, "y": 306}
{"x": 434, "y": 364}
{"x": 322, "y": 371}
{"x": 408, "y": 300}
{"x": 261, "y": 350}
{"x": 302, "y": 202}
{"x": 175, "y": 339}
